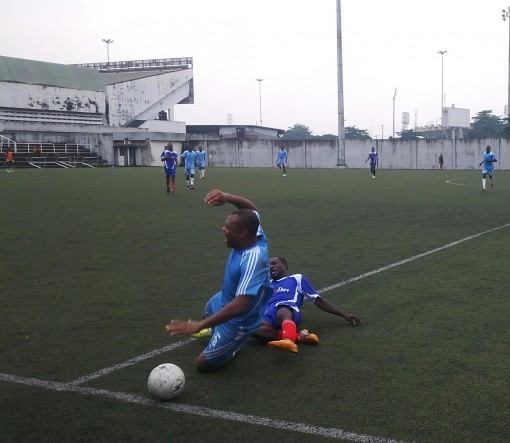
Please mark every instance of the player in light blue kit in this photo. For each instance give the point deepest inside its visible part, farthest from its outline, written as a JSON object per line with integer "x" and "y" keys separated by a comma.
{"x": 279, "y": 324}
{"x": 189, "y": 157}
{"x": 236, "y": 311}
{"x": 169, "y": 159}
{"x": 488, "y": 159}
{"x": 201, "y": 161}
{"x": 282, "y": 160}
{"x": 374, "y": 159}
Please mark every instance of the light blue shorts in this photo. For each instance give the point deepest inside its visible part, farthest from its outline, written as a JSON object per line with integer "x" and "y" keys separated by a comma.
{"x": 226, "y": 339}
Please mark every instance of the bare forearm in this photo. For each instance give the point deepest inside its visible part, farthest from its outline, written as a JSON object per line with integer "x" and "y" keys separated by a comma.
{"x": 230, "y": 310}
{"x": 219, "y": 198}
{"x": 327, "y": 306}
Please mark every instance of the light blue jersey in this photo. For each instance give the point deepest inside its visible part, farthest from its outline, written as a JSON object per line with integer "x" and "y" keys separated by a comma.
{"x": 201, "y": 159}
{"x": 289, "y": 291}
{"x": 246, "y": 273}
{"x": 189, "y": 161}
{"x": 488, "y": 166}
{"x": 282, "y": 157}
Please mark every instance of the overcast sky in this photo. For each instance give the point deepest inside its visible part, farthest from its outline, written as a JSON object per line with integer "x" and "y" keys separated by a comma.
{"x": 292, "y": 46}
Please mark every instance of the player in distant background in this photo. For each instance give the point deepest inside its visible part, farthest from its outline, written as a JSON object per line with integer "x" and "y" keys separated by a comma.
{"x": 201, "y": 161}
{"x": 9, "y": 160}
{"x": 189, "y": 157}
{"x": 236, "y": 310}
{"x": 282, "y": 160}
{"x": 488, "y": 159}
{"x": 441, "y": 161}
{"x": 169, "y": 159}
{"x": 374, "y": 159}
{"x": 283, "y": 314}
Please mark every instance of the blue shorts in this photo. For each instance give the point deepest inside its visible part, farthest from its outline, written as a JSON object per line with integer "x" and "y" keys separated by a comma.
{"x": 201, "y": 165}
{"x": 170, "y": 172}
{"x": 189, "y": 171}
{"x": 487, "y": 170}
{"x": 270, "y": 315}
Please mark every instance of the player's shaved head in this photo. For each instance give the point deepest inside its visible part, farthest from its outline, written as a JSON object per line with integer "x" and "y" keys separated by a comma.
{"x": 248, "y": 220}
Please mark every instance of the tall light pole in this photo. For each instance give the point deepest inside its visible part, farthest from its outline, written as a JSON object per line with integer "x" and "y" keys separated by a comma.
{"x": 394, "y": 95}
{"x": 505, "y": 15}
{"x": 108, "y": 41}
{"x": 442, "y": 82}
{"x": 340, "y": 86}
{"x": 260, "y": 80}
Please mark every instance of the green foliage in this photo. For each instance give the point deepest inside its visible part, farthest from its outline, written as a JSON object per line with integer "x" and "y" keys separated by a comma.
{"x": 354, "y": 133}
{"x": 297, "y": 132}
{"x": 410, "y": 134}
{"x": 506, "y": 131}
{"x": 486, "y": 125}
{"x": 325, "y": 137}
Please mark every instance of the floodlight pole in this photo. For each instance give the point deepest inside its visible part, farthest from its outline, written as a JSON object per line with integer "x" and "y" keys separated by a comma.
{"x": 442, "y": 82}
{"x": 505, "y": 16}
{"x": 340, "y": 80}
{"x": 108, "y": 41}
{"x": 260, "y": 80}
{"x": 394, "y": 95}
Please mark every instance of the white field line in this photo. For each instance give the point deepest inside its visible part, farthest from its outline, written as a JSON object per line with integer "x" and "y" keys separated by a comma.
{"x": 130, "y": 362}
{"x": 151, "y": 354}
{"x": 203, "y": 412}
{"x": 410, "y": 259}
{"x": 453, "y": 180}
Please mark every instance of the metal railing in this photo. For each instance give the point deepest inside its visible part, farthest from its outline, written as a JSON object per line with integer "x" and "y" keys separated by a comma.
{"x": 7, "y": 144}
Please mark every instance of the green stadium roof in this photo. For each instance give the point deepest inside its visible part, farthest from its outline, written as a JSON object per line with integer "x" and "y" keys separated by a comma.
{"x": 17, "y": 70}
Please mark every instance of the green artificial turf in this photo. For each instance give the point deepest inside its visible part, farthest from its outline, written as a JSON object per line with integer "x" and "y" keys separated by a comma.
{"x": 95, "y": 262}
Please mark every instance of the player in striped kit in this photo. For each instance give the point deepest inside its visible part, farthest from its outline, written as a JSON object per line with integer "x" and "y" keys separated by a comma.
{"x": 283, "y": 315}
{"x": 169, "y": 159}
{"x": 374, "y": 159}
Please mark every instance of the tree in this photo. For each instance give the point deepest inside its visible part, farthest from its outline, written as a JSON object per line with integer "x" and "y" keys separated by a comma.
{"x": 486, "y": 125}
{"x": 297, "y": 132}
{"x": 506, "y": 129}
{"x": 353, "y": 133}
{"x": 410, "y": 134}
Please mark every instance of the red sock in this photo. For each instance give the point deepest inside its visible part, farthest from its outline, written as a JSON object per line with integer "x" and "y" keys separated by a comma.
{"x": 289, "y": 330}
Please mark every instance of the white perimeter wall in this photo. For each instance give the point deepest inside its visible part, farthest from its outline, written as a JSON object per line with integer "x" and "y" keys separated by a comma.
{"x": 397, "y": 154}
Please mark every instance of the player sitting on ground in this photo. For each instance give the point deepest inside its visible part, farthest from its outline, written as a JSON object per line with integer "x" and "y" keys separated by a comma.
{"x": 278, "y": 326}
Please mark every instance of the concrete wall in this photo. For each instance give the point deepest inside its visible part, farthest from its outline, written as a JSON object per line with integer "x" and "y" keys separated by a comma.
{"x": 144, "y": 98}
{"x": 395, "y": 154}
{"x": 51, "y": 98}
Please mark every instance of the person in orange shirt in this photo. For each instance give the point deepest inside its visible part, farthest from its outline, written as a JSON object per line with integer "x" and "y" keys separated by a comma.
{"x": 9, "y": 159}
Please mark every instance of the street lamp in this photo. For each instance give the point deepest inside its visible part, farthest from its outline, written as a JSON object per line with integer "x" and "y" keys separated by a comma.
{"x": 442, "y": 82}
{"x": 505, "y": 15}
{"x": 394, "y": 95}
{"x": 260, "y": 80}
{"x": 108, "y": 41}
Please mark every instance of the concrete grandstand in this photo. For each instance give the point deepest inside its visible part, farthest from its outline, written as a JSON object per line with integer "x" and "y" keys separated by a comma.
{"x": 121, "y": 111}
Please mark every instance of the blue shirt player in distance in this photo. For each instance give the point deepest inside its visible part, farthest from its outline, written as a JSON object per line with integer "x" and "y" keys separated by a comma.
{"x": 279, "y": 324}
{"x": 282, "y": 160}
{"x": 235, "y": 312}
{"x": 189, "y": 157}
{"x": 201, "y": 161}
{"x": 169, "y": 159}
{"x": 488, "y": 159}
{"x": 374, "y": 159}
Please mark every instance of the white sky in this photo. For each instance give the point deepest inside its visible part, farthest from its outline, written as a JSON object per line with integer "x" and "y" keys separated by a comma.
{"x": 292, "y": 45}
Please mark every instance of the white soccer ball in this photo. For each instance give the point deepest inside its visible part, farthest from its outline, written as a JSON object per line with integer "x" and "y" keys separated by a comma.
{"x": 166, "y": 381}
